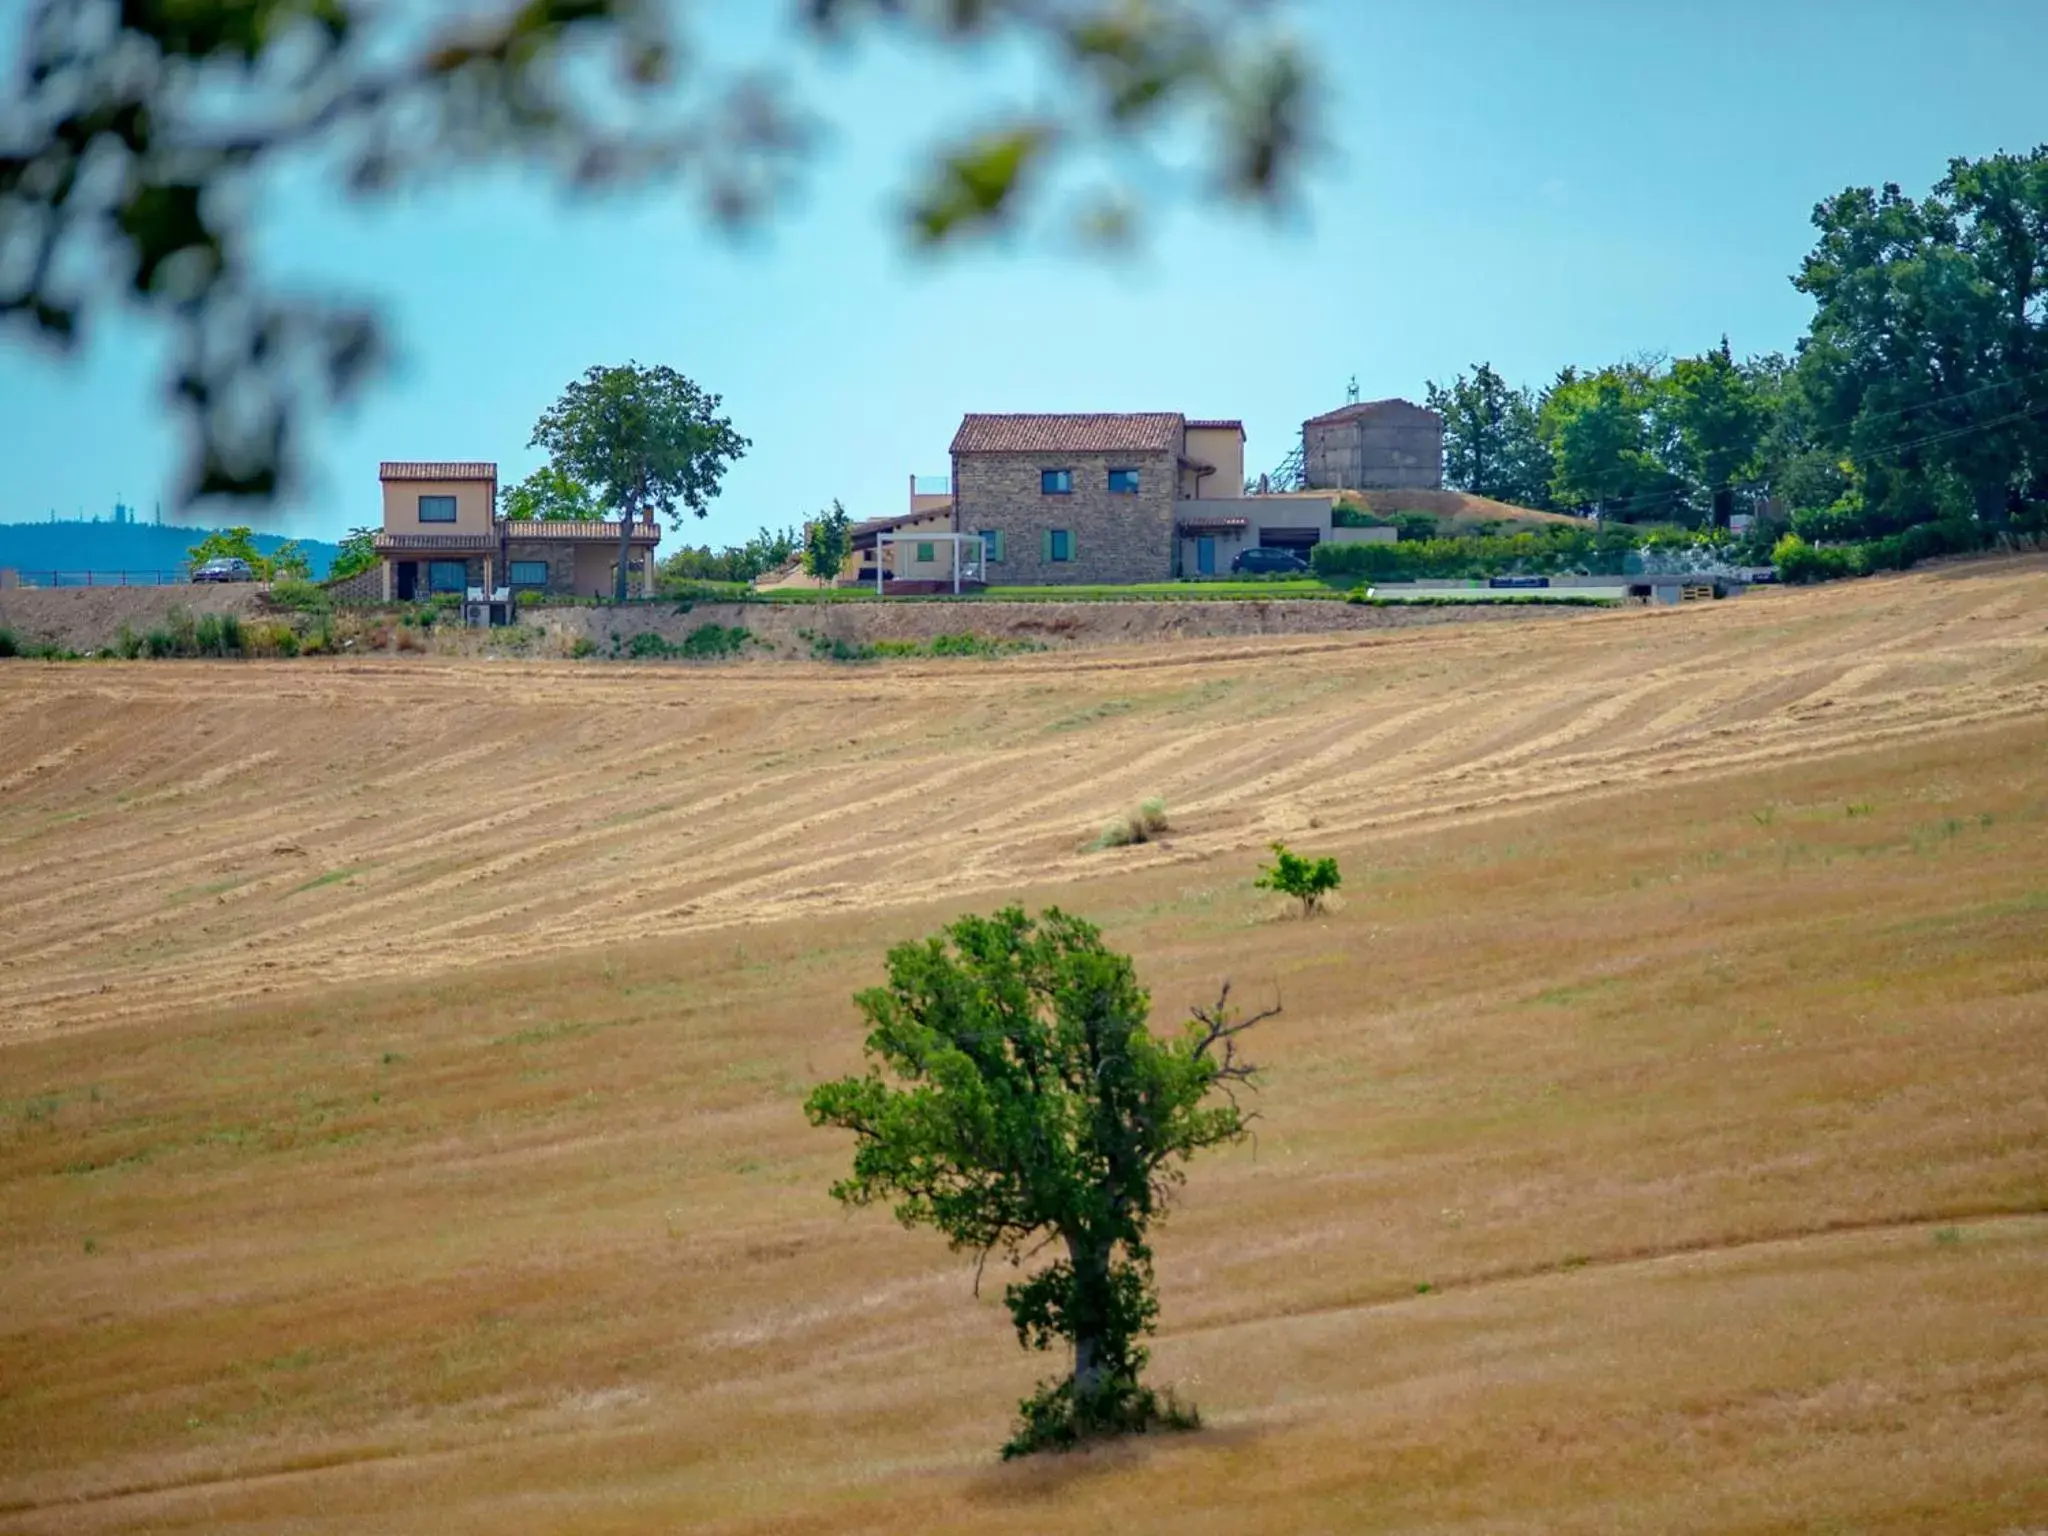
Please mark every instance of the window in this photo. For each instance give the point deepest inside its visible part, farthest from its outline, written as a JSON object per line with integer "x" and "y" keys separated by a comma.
{"x": 1059, "y": 545}
{"x": 1056, "y": 482}
{"x": 437, "y": 509}
{"x": 529, "y": 573}
{"x": 1123, "y": 482}
{"x": 447, "y": 575}
{"x": 927, "y": 553}
{"x": 992, "y": 544}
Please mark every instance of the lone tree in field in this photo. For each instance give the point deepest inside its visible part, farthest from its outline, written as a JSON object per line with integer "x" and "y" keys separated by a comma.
{"x": 1036, "y": 1109}
{"x": 828, "y": 538}
{"x": 1307, "y": 880}
{"x": 643, "y": 439}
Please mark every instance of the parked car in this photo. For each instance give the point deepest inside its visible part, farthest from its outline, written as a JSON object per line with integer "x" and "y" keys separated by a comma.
{"x": 226, "y": 568}
{"x": 1263, "y": 562}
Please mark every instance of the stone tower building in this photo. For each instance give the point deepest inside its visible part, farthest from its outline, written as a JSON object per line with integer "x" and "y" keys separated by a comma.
{"x": 1374, "y": 445}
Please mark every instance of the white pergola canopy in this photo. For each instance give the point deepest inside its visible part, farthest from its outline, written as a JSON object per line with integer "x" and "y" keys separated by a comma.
{"x": 967, "y": 553}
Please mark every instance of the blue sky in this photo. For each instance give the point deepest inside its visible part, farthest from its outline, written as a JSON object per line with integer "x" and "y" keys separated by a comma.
{"x": 1527, "y": 184}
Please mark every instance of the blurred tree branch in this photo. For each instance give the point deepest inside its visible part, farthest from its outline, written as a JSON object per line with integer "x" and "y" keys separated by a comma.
{"x": 135, "y": 133}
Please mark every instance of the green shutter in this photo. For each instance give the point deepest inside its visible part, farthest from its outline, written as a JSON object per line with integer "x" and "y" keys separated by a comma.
{"x": 1073, "y": 547}
{"x": 1045, "y": 546}
{"x": 998, "y": 553}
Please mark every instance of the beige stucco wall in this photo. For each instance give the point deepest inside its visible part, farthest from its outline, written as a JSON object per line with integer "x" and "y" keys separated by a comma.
{"x": 1223, "y": 448}
{"x": 932, "y": 501}
{"x": 402, "y": 505}
{"x": 594, "y": 564}
{"x": 902, "y": 552}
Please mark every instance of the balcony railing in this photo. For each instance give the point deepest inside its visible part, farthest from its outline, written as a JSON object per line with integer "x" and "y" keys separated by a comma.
{"x": 931, "y": 485}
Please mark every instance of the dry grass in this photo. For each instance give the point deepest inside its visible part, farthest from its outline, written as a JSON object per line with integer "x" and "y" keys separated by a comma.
{"x": 1709, "y": 1112}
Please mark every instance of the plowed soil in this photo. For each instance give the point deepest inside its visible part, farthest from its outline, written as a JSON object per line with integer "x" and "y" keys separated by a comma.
{"x": 401, "y": 1070}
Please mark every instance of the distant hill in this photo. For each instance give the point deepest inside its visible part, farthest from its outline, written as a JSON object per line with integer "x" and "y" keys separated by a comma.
{"x": 78, "y": 547}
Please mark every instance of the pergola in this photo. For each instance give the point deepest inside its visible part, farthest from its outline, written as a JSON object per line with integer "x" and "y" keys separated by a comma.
{"x": 961, "y": 559}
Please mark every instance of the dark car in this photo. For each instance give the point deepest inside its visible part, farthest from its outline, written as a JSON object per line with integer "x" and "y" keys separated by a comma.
{"x": 1264, "y": 562}
{"x": 227, "y": 568}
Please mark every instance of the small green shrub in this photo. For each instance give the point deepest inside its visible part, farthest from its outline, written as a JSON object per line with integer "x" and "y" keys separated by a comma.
{"x": 581, "y": 647}
{"x": 10, "y": 643}
{"x": 1142, "y": 825}
{"x": 218, "y": 634}
{"x": 159, "y": 643}
{"x": 303, "y": 596}
{"x": 713, "y": 640}
{"x": 1308, "y": 881}
{"x": 183, "y": 630}
{"x": 647, "y": 646}
{"x": 127, "y": 644}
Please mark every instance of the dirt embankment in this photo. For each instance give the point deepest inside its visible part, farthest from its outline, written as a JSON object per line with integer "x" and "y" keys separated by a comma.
{"x": 790, "y": 627}
{"x": 86, "y": 619}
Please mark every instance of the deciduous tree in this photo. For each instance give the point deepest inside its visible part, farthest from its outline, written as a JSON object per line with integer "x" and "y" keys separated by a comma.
{"x": 549, "y": 494}
{"x": 1928, "y": 353}
{"x": 828, "y": 538}
{"x": 1713, "y": 422}
{"x": 358, "y": 553}
{"x": 1016, "y": 1100}
{"x": 646, "y": 439}
{"x": 1492, "y": 445}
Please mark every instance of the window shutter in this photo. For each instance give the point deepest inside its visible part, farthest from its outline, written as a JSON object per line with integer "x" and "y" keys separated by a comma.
{"x": 999, "y": 544}
{"x": 1045, "y": 545}
{"x": 1073, "y": 547}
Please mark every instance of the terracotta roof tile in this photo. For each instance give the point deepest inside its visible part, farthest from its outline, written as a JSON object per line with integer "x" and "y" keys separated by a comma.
{"x": 409, "y": 469}
{"x": 1217, "y": 426}
{"x": 544, "y": 528}
{"x": 1366, "y": 408}
{"x": 1142, "y": 432}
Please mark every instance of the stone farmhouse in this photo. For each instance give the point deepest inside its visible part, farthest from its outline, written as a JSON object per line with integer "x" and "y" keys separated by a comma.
{"x": 1112, "y": 498}
{"x": 442, "y": 533}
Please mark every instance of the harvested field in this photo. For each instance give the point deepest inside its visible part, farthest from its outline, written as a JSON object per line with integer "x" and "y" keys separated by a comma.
{"x": 402, "y": 1062}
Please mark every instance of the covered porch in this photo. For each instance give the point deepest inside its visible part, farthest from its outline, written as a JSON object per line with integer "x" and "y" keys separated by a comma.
{"x": 560, "y": 558}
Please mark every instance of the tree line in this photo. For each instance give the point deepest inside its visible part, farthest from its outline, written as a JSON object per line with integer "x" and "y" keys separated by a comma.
{"x": 1918, "y": 395}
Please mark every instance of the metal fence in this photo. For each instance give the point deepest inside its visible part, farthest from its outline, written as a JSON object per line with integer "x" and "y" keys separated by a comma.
{"x": 103, "y": 578}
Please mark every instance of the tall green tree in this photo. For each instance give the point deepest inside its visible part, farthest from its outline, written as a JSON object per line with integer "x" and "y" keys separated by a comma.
{"x": 1492, "y": 442}
{"x": 237, "y": 543}
{"x": 1598, "y": 428}
{"x": 646, "y": 439}
{"x": 1712, "y": 420}
{"x": 136, "y": 140}
{"x": 1016, "y": 1099}
{"x": 549, "y": 495}
{"x": 1927, "y": 359}
{"x": 358, "y": 553}
{"x": 828, "y": 539}
{"x": 766, "y": 550}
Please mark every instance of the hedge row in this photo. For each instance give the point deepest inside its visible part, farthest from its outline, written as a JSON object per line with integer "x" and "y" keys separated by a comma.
{"x": 1804, "y": 563}
{"x": 1597, "y": 551}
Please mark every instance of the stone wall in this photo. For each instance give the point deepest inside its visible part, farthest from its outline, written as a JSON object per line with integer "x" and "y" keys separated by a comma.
{"x": 1397, "y": 446}
{"x": 1117, "y": 538}
{"x": 361, "y": 589}
{"x": 793, "y": 630}
{"x": 560, "y": 558}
